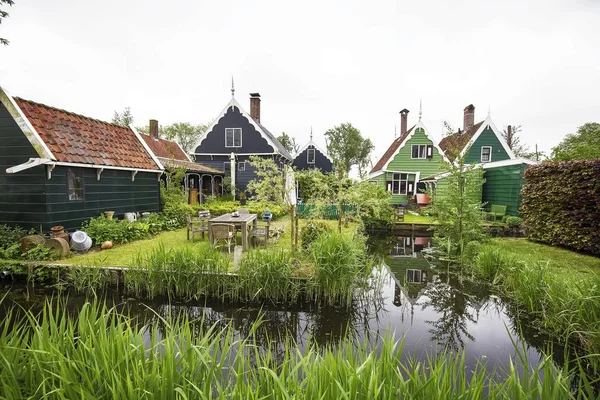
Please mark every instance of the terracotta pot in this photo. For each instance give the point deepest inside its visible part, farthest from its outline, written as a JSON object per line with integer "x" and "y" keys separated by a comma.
{"x": 59, "y": 232}
{"x": 109, "y": 214}
{"x": 107, "y": 245}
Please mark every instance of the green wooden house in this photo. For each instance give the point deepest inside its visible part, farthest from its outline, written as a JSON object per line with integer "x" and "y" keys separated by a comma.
{"x": 482, "y": 143}
{"x": 413, "y": 155}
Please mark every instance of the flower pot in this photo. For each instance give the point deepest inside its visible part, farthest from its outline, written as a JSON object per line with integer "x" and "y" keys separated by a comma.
{"x": 109, "y": 214}
{"x": 59, "y": 232}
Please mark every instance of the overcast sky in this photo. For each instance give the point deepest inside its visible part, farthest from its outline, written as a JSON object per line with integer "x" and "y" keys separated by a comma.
{"x": 531, "y": 63}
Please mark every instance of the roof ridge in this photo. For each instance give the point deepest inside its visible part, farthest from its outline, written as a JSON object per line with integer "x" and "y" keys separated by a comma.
{"x": 70, "y": 112}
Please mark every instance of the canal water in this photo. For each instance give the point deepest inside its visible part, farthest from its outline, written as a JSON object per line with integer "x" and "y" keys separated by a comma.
{"x": 429, "y": 305}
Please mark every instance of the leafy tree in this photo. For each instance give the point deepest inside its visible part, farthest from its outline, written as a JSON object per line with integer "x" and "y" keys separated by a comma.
{"x": 124, "y": 118}
{"x": 513, "y": 140}
{"x": 347, "y": 148}
{"x": 372, "y": 203}
{"x": 288, "y": 142}
{"x": 583, "y": 145}
{"x": 184, "y": 133}
{"x": 269, "y": 184}
{"x": 457, "y": 206}
{"x": 4, "y": 14}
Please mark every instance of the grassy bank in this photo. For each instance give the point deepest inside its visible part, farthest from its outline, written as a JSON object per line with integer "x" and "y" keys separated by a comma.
{"x": 103, "y": 354}
{"x": 558, "y": 289}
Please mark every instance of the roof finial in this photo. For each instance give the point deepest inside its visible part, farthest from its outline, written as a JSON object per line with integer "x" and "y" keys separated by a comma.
{"x": 395, "y": 132}
{"x": 311, "y": 133}
{"x": 420, "y": 108}
{"x": 489, "y": 111}
{"x": 232, "y": 87}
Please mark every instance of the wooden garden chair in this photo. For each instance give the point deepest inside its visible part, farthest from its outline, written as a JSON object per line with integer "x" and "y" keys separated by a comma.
{"x": 497, "y": 211}
{"x": 260, "y": 231}
{"x": 195, "y": 226}
{"x": 223, "y": 233}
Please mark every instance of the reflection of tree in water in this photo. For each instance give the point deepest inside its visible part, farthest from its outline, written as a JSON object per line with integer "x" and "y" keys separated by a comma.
{"x": 457, "y": 302}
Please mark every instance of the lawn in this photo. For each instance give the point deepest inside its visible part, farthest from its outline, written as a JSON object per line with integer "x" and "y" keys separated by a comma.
{"x": 410, "y": 218}
{"x": 123, "y": 255}
{"x": 563, "y": 260}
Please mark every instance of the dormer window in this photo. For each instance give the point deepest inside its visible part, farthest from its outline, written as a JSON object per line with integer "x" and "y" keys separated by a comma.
{"x": 486, "y": 153}
{"x": 310, "y": 156}
{"x": 421, "y": 151}
{"x": 233, "y": 137}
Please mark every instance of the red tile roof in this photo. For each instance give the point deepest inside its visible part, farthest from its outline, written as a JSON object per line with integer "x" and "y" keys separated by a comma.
{"x": 165, "y": 148}
{"x": 77, "y": 139}
{"x": 452, "y": 145}
{"x": 391, "y": 150}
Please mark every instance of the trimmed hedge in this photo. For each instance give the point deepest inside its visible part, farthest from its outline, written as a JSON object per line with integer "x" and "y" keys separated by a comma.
{"x": 561, "y": 204}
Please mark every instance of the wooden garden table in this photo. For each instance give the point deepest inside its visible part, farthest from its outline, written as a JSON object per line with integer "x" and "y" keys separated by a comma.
{"x": 242, "y": 221}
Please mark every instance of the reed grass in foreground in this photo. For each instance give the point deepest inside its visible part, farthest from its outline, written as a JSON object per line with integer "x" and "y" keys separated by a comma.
{"x": 103, "y": 354}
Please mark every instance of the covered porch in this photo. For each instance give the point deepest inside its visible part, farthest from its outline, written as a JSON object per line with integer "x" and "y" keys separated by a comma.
{"x": 199, "y": 181}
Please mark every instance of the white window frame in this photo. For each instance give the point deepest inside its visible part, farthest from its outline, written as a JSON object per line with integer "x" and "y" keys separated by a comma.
{"x": 233, "y": 131}
{"x": 241, "y": 166}
{"x": 314, "y": 156}
{"x": 490, "y": 156}
{"x": 399, "y": 180}
{"x": 419, "y": 152}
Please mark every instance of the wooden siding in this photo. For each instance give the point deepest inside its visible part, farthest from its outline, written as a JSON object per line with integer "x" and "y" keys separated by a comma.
{"x": 321, "y": 161}
{"x": 487, "y": 138}
{"x": 252, "y": 140}
{"x": 503, "y": 187}
{"x": 113, "y": 192}
{"x": 22, "y": 200}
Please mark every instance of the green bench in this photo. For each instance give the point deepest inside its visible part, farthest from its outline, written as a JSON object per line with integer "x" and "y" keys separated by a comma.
{"x": 497, "y": 211}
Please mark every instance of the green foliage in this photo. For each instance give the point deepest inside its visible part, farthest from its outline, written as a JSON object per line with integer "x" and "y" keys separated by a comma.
{"x": 513, "y": 222}
{"x": 288, "y": 143}
{"x": 347, "y": 147}
{"x": 102, "y": 229}
{"x": 38, "y": 253}
{"x": 220, "y": 207}
{"x": 5, "y": 14}
{"x": 103, "y": 353}
{"x": 315, "y": 186}
{"x": 371, "y": 202}
{"x": 312, "y": 231}
{"x": 560, "y": 204}
{"x": 341, "y": 266}
{"x": 173, "y": 198}
{"x": 583, "y": 145}
{"x": 10, "y": 235}
{"x": 184, "y": 133}
{"x": 457, "y": 207}
{"x": 269, "y": 184}
{"x": 265, "y": 275}
{"x": 124, "y": 118}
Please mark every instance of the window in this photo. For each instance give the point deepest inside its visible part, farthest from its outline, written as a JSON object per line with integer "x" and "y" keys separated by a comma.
{"x": 399, "y": 183}
{"x": 233, "y": 137}
{"x": 310, "y": 156}
{"x": 416, "y": 276}
{"x": 486, "y": 154}
{"x": 419, "y": 151}
{"x": 242, "y": 166}
{"x": 75, "y": 184}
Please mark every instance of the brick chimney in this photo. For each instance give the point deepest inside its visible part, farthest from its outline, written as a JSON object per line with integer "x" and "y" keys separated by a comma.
{"x": 469, "y": 117}
{"x": 403, "y": 121}
{"x": 153, "y": 129}
{"x": 255, "y": 106}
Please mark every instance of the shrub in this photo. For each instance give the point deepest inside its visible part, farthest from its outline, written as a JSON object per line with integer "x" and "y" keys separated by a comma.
{"x": 220, "y": 207}
{"x": 175, "y": 212}
{"x": 513, "y": 222}
{"x": 11, "y": 235}
{"x": 102, "y": 229}
{"x": 311, "y": 232}
{"x": 560, "y": 204}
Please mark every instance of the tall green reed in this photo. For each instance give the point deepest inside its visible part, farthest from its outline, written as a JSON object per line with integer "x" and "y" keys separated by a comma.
{"x": 103, "y": 354}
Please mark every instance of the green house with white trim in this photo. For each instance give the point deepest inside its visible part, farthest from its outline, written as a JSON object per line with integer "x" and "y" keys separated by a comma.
{"x": 482, "y": 143}
{"x": 412, "y": 156}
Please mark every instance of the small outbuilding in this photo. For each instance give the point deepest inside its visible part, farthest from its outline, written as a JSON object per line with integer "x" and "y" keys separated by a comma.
{"x": 62, "y": 168}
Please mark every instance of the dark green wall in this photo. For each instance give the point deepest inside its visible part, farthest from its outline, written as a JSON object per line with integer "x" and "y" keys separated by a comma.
{"x": 487, "y": 138}
{"x": 30, "y": 200}
{"x": 113, "y": 192}
{"x": 503, "y": 187}
{"x": 22, "y": 200}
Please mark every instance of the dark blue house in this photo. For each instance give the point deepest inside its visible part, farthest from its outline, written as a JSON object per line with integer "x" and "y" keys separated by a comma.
{"x": 233, "y": 137}
{"x": 312, "y": 156}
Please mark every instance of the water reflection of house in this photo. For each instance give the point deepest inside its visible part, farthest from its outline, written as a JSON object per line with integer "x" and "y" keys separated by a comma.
{"x": 410, "y": 270}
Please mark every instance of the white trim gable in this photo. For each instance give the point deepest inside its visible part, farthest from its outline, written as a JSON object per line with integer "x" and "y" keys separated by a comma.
{"x": 488, "y": 122}
{"x": 407, "y": 138}
{"x": 233, "y": 103}
{"x": 28, "y": 130}
{"x": 311, "y": 143}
